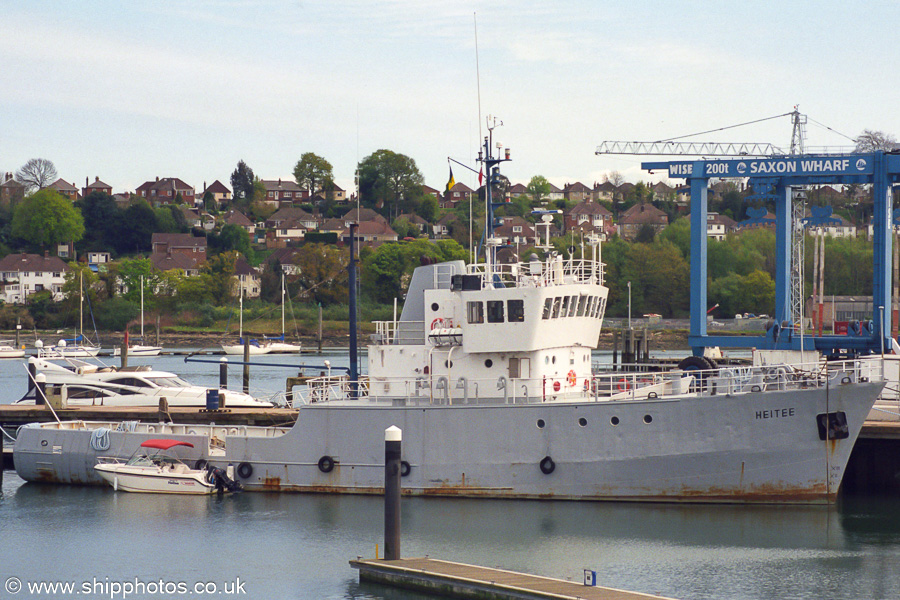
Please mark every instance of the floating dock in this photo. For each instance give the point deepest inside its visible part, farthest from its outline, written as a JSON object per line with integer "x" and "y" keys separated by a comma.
{"x": 14, "y": 415}
{"x": 458, "y": 580}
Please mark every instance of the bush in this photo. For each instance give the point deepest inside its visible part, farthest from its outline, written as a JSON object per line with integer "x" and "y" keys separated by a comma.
{"x": 115, "y": 314}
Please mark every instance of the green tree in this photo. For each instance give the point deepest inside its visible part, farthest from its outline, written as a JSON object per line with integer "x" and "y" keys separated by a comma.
{"x": 538, "y": 188}
{"x": 102, "y": 221}
{"x": 242, "y": 184}
{"x": 428, "y": 208}
{"x": 138, "y": 225}
{"x": 46, "y": 218}
{"x": 221, "y": 281}
{"x": 313, "y": 173}
{"x": 386, "y": 272}
{"x": 679, "y": 234}
{"x": 323, "y": 273}
{"x": 390, "y": 182}
{"x": 234, "y": 237}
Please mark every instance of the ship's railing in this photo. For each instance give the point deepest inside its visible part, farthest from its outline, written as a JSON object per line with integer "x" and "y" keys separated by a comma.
{"x": 555, "y": 271}
{"x": 399, "y": 332}
{"x": 615, "y": 386}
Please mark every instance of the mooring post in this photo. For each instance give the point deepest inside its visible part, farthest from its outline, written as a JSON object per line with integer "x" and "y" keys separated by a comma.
{"x": 319, "y": 336}
{"x": 392, "y": 440}
{"x": 124, "y": 352}
{"x": 40, "y": 398}
{"x": 32, "y": 371}
{"x": 247, "y": 365}
{"x": 223, "y": 373}
{"x": 18, "y": 332}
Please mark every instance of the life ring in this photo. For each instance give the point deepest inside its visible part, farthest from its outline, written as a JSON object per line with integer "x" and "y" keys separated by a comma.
{"x": 623, "y": 385}
{"x": 571, "y": 378}
{"x": 547, "y": 465}
{"x": 201, "y": 465}
{"x": 556, "y": 386}
{"x": 245, "y": 470}
{"x": 326, "y": 464}
{"x": 405, "y": 468}
{"x": 587, "y": 383}
{"x": 437, "y": 324}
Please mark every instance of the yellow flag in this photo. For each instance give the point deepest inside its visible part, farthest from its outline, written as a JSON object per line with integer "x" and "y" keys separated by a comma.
{"x": 451, "y": 182}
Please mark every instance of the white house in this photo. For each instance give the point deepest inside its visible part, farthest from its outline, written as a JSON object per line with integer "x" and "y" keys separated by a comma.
{"x": 26, "y": 274}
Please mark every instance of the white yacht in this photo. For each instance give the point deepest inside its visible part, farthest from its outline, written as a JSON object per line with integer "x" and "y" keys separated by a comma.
{"x": 86, "y": 384}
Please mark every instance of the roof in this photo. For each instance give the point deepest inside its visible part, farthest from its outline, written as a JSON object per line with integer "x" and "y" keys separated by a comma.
{"x": 32, "y": 263}
{"x": 166, "y": 183}
{"x": 63, "y": 186}
{"x": 168, "y": 261}
{"x": 372, "y": 228}
{"x": 589, "y": 208}
{"x": 97, "y": 185}
{"x": 178, "y": 240}
{"x": 283, "y": 255}
{"x": 290, "y": 213}
{"x": 365, "y": 214}
{"x": 217, "y": 187}
{"x": 644, "y": 213}
{"x": 576, "y": 187}
{"x": 413, "y": 218}
{"x": 242, "y": 267}
{"x": 461, "y": 187}
{"x": 236, "y": 217}
{"x": 11, "y": 183}
{"x": 286, "y": 185}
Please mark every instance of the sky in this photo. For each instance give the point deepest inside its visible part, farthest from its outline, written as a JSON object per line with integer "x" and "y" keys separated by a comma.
{"x": 131, "y": 91}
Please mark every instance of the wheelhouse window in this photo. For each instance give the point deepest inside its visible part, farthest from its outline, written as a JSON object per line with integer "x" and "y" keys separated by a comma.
{"x": 573, "y": 302}
{"x": 548, "y": 308}
{"x": 495, "y": 311}
{"x": 516, "y": 310}
{"x": 565, "y": 307}
{"x": 582, "y": 305}
{"x": 557, "y": 302}
{"x": 475, "y": 312}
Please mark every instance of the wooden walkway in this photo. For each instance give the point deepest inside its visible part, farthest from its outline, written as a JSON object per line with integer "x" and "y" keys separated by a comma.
{"x": 458, "y": 580}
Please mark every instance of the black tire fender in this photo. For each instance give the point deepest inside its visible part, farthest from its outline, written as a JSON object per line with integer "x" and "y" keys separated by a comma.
{"x": 245, "y": 470}
{"x": 547, "y": 465}
{"x": 405, "y": 468}
{"x": 326, "y": 464}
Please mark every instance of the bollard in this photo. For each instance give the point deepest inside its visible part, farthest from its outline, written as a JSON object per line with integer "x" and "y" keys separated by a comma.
{"x": 124, "y": 352}
{"x": 164, "y": 410}
{"x": 247, "y": 365}
{"x": 392, "y": 440}
{"x": 40, "y": 397}
{"x": 32, "y": 371}
{"x": 223, "y": 373}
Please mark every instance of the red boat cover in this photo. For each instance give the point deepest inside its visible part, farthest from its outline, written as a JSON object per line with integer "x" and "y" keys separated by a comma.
{"x": 164, "y": 444}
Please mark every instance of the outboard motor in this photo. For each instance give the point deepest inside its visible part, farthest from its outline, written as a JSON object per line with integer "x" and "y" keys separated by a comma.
{"x": 223, "y": 483}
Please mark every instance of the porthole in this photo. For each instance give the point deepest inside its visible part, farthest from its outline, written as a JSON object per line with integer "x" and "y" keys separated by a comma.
{"x": 648, "y": 419}
{"x": 540, "y": 423}
{"x": 488, "y": 363}
{"x": 582, "y": 421}
{"x": 553, "y": 360}
{"x": 614, "y": 421}
{"x": 546, "y": 360}
{"x": 434, "y": 306}
{"x": 448, "y": 364}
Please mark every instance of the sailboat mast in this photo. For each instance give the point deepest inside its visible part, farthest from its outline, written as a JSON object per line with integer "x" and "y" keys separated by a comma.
{"x": 80, "y": 305}
{"x": 282, "y": 306}
{"x": 241, "y": 302}
{"x": 142, "y": 309}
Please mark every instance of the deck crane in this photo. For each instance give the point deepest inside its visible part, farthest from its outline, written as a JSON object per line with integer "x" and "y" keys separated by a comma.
{"x": 673, "y": 147}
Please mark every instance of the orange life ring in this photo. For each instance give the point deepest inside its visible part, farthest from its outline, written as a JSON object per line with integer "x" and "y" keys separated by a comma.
{"x": 623, "y": 385}
{"x": 437, "y": 324}
{"x": 572, "y": 378}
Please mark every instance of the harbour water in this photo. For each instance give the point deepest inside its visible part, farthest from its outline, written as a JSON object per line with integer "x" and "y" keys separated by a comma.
{"x": 297, "y": 546}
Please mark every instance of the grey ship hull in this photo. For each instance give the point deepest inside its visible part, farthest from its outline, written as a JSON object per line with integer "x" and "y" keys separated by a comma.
{"x": 753, "y": 447}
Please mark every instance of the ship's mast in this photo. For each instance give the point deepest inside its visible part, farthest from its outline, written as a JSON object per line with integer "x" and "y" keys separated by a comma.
{"x": 492, "y": 172}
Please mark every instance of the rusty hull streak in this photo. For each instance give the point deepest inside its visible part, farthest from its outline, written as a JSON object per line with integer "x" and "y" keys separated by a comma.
{"x": 272, "y": 484}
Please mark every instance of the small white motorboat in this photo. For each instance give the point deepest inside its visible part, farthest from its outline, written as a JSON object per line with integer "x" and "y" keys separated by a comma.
{"x": 8, "y": 350}
{"x": 154, "y": 469}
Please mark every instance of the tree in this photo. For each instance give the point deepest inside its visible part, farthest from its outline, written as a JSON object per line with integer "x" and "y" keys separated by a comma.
{"x": 313, "y": 173}
{"x": 242, "y": 184}
{"x": 428, "y": 208}
{"x": 233, "y": 237}
{"x": 388, "y": 178}
{"x": 323, "y": 273}
{"x": 102, "y": 221}
{"x": 138, "y": 225}
{"x": 46, "y": 218}
{"x": 36, "y": 174}
{"x": 868, "y": 141}
{"x": 538, "y": 188}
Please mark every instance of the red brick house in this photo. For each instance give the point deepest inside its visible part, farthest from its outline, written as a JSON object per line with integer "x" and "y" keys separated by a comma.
{"x": 166, "y": 191}
{"x": 95, "y": 186}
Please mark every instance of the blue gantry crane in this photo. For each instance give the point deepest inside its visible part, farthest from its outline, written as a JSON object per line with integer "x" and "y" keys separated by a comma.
{"x": 776, "y": 174}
